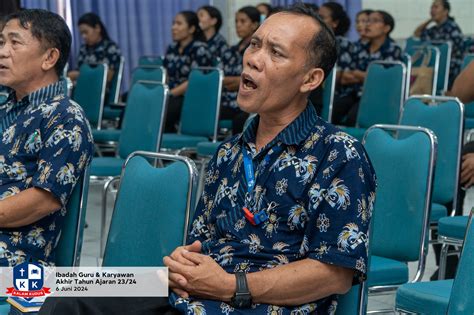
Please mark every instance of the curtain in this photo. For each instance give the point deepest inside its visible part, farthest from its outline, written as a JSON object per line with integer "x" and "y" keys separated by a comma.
{"x": 139, "y": 27}
{"x": 351, "y": 7}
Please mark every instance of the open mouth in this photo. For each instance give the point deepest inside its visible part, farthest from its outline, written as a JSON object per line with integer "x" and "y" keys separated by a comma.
{"x": 2, "y": 67}
{"x": 248, "y": 82}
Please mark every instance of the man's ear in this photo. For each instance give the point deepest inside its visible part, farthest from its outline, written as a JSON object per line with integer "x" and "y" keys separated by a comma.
{"x": 313, "y": 78}
{"x": 51, "y": 58}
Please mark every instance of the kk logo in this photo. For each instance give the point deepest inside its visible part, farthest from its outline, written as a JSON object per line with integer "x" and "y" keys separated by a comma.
{"x": 28, "y": 281}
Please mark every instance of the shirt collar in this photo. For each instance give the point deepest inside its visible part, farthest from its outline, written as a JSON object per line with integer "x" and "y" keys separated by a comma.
{"x": 293, "y": 134}
{"x": 39, "y": 96}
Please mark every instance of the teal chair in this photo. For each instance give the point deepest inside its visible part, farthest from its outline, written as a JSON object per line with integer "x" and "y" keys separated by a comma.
{"x": 445, "y": 117}
{"x": 451, "y": 231}
{"x": 400, "y": 219}
{"x": 329, "y": 86}
{"x": 444, "y": 65}
{"x": 430, "y": 55}
{"x": 469, "y": 120}
{"x": 149, "y": 73}
{"x": 154, "y": 210}
{"x": 451, "y": 297}
{"x": 113, "y": 94}
{"x": 150, "y": 61}
{"x": 200, "y": 112}
{"x": 382, "y": 96}
{"x": 141, "y": 130}
{"x": 412, "y": 42}
{"x": 406, "y": 59}
{"x": 89, "y": 92}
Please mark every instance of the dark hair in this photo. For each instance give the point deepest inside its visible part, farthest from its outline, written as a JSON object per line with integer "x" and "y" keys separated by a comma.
{"x": 49, "y": 28}
{"x": 93, "y": 20}
{"x": 193, "y": 20}
{"x": 251, "y": 12}
{"x": 387, "y": 19}
{"x": 213, "y": 13}
{"x": 366, "y": 11}
{"x": 447, "y": 6}
{"x": 266, "y": 5}
{"x": 338, "y": 14}
{"x": 312, "y": 6}
{"x": 322, "y": 49}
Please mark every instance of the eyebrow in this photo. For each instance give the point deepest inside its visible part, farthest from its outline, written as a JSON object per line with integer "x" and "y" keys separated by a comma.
{"x": 270, "y": 42}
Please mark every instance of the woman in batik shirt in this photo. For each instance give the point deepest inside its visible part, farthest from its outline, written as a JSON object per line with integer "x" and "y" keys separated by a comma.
{"x": 97, "y": 47}
{"x": 247, "y": 20}
{"x": 444, "y": 28}
{"x": 188, "y": 51}
{"x": 381, "y": 47}
{"x": 210, "y": 21}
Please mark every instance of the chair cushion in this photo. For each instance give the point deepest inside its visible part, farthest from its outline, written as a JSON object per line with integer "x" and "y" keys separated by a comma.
{"x": 357, "y": 133}
{"x": 106, "y": 166}
{"x": 438, "y": 211}
{"x": 424, "y": 297}
{"x": 112, "y": 113}
{"x": 175, "y": 141}
{"x": 207, "y": 148}
{"x": 385, "y": 271}
{"x": 106, "y": 135}
{"x": 453, "y": 227}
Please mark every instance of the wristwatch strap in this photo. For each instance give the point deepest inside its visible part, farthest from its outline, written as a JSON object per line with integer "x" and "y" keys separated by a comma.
{"x": 242, "y": 286}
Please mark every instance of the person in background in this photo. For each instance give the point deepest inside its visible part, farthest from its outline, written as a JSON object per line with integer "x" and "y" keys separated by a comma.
{"x": 210, "y": 21}
{"x": 442, "y": 27}
{"x": 265, "y": 10}
{"x": 380, "y": 47}
{"x": 312, "y": 6}
{"x": 362, "y": 19}
{"x": 187, "y": 51}
{"x": 97, "y": 47}
{"x": 247, "y": 20}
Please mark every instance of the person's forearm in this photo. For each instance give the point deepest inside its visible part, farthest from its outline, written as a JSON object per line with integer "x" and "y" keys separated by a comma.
{"x": 180, "y": 89}
{"x": 110, "y": 75}
{"x": 421, "y": 28}
{"x": 348, "y": 78}
{"x": 298, "y": 283}
{"x": 232, "y": 83}
{"x": 73, "y": 75}
{"x": 27, "y": 207}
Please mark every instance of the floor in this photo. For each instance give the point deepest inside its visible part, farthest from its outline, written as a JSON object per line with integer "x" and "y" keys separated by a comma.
{"x": 90, "y": 250}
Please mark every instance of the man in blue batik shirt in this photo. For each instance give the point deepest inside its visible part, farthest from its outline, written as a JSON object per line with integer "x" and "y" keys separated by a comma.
{"x": 45, "y": 141}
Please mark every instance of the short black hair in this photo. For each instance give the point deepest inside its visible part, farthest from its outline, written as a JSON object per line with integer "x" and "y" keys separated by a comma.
{"x": 322, "y": 49}
{"x": 366, "y": 11}
{"x": 251, "y": 12}
{"x": 387, "y": 19}
{"x": 312, "y": 6}
{"x": 339, "y": 14}
{"x": 49, "y": 28}
{"x": 213, "y": 13}
{"x": 93, "y": 20}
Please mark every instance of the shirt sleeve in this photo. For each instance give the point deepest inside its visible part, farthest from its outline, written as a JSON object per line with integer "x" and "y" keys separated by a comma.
{"x": 113, "y": 56}
{"x": 340, "y": 208}
{"x": 201, "y": 57}
{"x": 67, "y": 149}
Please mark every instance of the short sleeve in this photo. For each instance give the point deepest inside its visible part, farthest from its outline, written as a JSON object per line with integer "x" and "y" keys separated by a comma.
{"x": 340, "y": 207}
{"x": 113, "y": 56}
{"x": 67, "y": 149}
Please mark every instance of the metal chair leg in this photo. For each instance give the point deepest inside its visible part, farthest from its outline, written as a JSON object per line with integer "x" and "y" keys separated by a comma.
{"x": 442, "y": 261}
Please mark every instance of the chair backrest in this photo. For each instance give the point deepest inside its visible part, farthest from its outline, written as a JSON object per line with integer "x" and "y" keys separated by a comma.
{"x": 150, "y": 61}
{"x": 115, "y": 84}
{"x": 151, "y": 213}
{"x": 201, "y": 104}
{"x": 149, "y": 73}
{"x": 383, "y": 94}
{"x": 469, "y": 108}
{"x": 143, "y": 120}
{"x": 400, "y": 219}
{"x": 418, "y": 54}
{"x": 90, "y": 91}
{"x": 411, "y": 42}
{"x": 461, "y": 301}
{"x": 445, "y": 117}
{"x": 329, "y": 86}
{"x": 69, "y": 247}
{"x": 445, "y": 49}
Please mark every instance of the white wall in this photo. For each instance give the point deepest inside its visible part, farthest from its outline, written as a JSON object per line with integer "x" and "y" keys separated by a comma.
{"x": 408, "y": 14}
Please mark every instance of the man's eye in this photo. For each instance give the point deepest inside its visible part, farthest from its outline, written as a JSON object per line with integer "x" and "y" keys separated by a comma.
{"x": 276, "y": 53}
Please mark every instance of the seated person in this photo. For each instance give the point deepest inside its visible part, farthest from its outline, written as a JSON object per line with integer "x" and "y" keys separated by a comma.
{"x": 189, "y": 50}
{"x": 362, "y": 19}
{"x": 97, "y": 47}
{"x": 380, "y": 48}
{"x": 46, "y": 140}
{"x": 210, "y": 21}
{"x": 313, "y": 190}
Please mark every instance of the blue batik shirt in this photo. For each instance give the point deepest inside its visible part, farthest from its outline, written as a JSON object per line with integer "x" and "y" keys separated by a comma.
{"x": 317, "y": 187}
{"x": 46, "y": 143}
{"x": 448, "y": 31}
{"x": 217, "y": 46}
{"x": 344, "y": 60}
{"x": 362, "y": 57}
{"x": 232, "y": 67}
{"x": 178, "y": 65}
{"x": 104, "y": 52}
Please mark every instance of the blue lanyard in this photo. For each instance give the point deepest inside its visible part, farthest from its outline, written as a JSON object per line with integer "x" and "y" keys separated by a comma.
{"x": 249, "y": 172}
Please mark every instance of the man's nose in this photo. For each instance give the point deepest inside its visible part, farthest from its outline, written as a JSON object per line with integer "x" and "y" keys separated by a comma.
{"x": 4, "y": 51}
{"x": 255, "y": 59}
